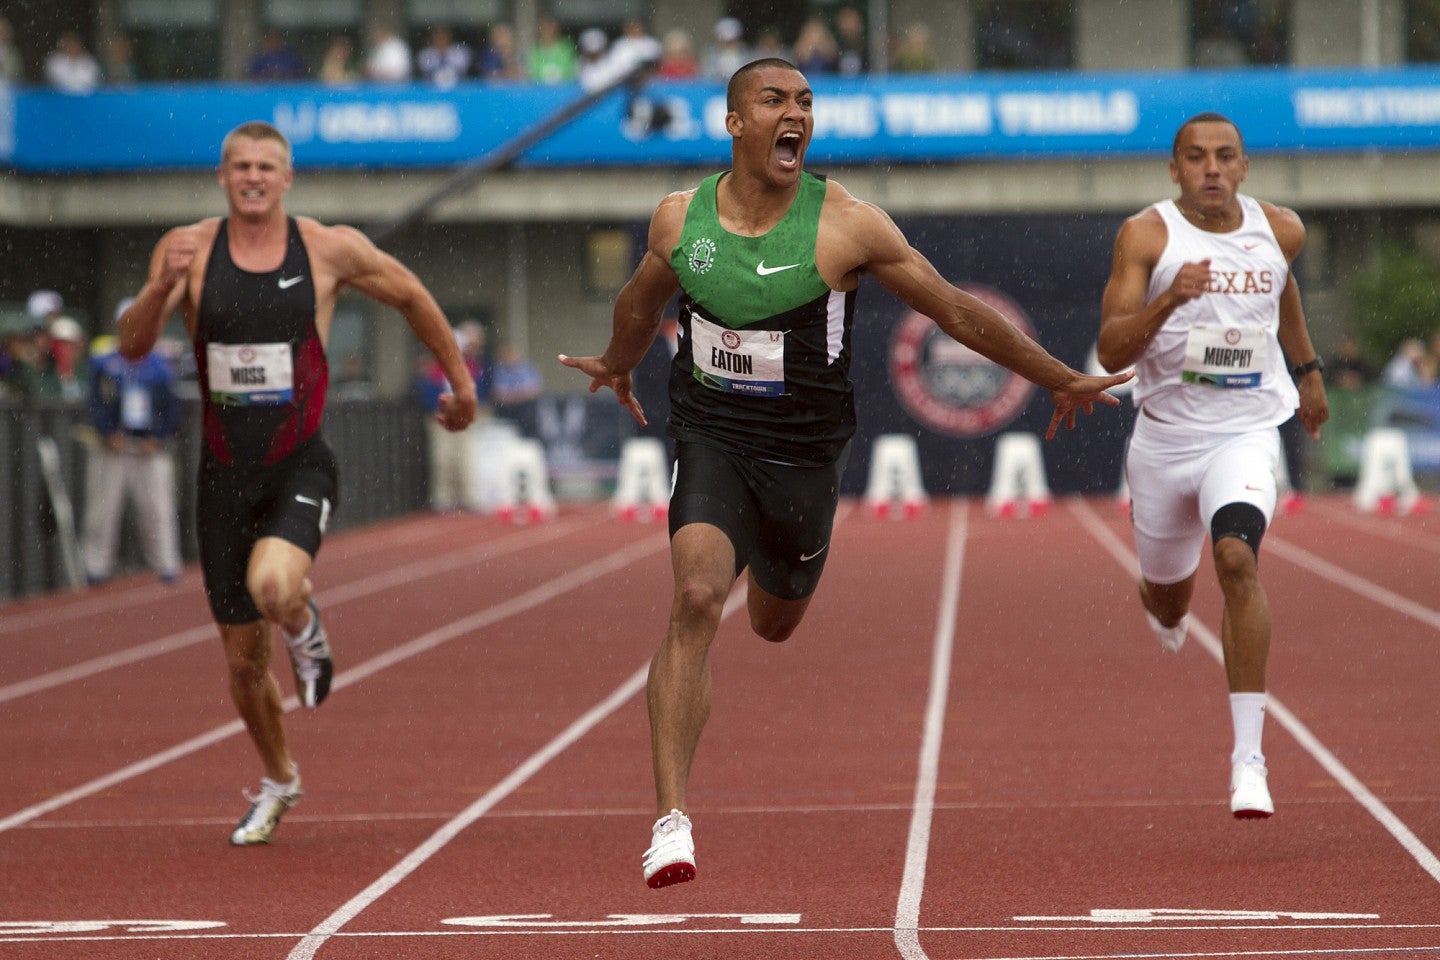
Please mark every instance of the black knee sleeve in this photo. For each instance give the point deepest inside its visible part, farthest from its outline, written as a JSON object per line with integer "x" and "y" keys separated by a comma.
{"x": 1243, "y": 521}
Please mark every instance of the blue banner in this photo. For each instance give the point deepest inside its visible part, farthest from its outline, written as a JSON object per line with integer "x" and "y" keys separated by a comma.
{"x": 893, "y": 119}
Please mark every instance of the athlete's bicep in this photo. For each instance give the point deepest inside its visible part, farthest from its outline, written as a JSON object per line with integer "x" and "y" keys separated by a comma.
{"x": 650, "y": 287}
{"x": 1129, "y": 280}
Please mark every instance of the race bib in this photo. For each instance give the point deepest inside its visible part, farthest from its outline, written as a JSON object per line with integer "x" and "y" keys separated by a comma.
{"x": 1225, "y": 357}
{"x": 750, "y": 363}
{"x": 250, "y": 374}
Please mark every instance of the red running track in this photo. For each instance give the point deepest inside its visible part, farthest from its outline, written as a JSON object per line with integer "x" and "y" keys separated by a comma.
{"x": 972, "y": 749}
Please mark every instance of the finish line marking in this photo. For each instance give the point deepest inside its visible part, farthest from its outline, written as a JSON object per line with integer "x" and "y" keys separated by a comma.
{"x": 1168, "y": 914}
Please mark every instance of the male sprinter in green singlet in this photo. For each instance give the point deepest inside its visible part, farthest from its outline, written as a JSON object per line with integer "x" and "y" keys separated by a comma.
{"x": 767, "y": 259}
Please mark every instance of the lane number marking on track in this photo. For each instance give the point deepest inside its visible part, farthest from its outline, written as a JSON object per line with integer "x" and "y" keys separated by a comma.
{"x": 540, "y": 920}
{"x": 48, "y": 927}
{"x": 1169, "y": 914}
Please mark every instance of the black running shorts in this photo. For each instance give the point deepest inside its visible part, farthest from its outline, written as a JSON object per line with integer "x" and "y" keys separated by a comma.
{"x": 778, "y": 517}
{"x": 236, "y": 506}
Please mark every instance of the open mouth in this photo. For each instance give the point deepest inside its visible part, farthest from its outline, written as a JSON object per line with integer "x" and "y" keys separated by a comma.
{"x": 787, "y": 149}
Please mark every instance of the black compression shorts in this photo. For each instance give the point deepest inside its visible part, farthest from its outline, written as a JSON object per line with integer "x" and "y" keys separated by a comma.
{"x": 778, "y": 517}
{"x": 236, "y": 506}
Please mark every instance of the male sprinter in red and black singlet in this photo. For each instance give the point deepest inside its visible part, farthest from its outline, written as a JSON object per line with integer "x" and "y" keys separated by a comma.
{"x": 257, "y": 290}
{"x": 767, "y": 259}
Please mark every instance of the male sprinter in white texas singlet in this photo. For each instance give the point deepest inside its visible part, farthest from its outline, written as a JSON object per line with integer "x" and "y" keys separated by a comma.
{"x": 1203, "y": 302}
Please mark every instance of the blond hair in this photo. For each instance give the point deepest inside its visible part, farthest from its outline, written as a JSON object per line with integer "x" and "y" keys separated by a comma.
{"x": 255, "y": 130}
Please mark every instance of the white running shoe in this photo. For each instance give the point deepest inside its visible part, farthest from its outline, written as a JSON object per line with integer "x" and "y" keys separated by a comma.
{"x": 671, "y": 857}
{"x": 1171, "y": 638}
{"x": 266, "y": 808}
{"x": 1249, "y": 794}
{"x": 310, "y": 658}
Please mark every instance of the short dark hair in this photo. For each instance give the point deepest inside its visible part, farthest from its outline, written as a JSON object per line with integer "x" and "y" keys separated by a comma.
{"x": 1209, "y": 116}
{"x": 737, "y": 79}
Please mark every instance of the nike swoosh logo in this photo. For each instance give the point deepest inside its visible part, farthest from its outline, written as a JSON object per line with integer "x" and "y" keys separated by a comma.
{"x": 288, "y": 282}
{"x": 811, "y": 556}
{"x": 765, "y": 271}
{"x": 313, "y": 503}
{"x": 1251, "y": 246}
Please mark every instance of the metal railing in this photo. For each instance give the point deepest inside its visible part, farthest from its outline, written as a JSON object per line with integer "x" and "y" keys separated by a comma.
{"x": 380, "y": 445}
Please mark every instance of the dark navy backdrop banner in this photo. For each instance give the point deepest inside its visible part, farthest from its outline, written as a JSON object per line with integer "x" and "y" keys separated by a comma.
{"x": 1045, "y": 272}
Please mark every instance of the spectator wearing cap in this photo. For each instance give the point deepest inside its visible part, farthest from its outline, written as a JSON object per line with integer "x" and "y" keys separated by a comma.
{"x": 58, "y": 349}
{"x": 728, "y": 53}
{"x": 592, "y": 67}
{"x": 135, "y": 415}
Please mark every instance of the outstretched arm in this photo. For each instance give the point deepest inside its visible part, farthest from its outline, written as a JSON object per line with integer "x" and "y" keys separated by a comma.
{"x": 906, "y": 273}
{"x": 638, "y": 310}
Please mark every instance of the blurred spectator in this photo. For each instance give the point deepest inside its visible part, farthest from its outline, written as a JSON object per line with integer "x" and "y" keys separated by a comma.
{"x": 593, "y": 67}
{"x": 59, "y": 348}
{"x": 337, "y": 65}
{"x": 678, "y": 61}
{"x": 814, "y": 51}
{"x": 12, "y": 67}
{"x": 850, "y": 40}
{"x": 914, "y": 54}
{"x": 1347, "y": 368}
{"x": 135, "y": 414}
{"x": 452, "y": 455}
{"x": 1406, "y": 369}
{"x": 728, "y": 53}
{"x": 553, "y": 58}
{"x": 67, "y": 357}
{"x": 634, "y": 46}
{"x": 514, "y": 388}
{"x": 119, "y": 63}
{"x": 1430, "y": 366}
{"x": 500, "y": 58}
{"x": 275, "y": 60}
{"x": 446, "y": 61}
{"x": 388, "y": 60}
{"x": 769, "y": 44}
{"x": 23, "y": 369}
{"x": 70, "y": 68}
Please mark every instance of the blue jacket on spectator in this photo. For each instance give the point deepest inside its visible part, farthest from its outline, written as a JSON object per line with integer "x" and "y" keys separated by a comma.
{"x": 136, "y": 398}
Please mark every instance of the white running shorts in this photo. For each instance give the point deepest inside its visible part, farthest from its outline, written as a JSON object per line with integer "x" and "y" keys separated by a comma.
{"x": 1179, "y": 476}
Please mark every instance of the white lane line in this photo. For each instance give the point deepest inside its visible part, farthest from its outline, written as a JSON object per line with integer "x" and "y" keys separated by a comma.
{"x": 1353, "y": 582}
{"x": 365, "y": 586}
{"x": 1211, "y": 643}
{"x": 1394, "y": 529}
{"x": 58, "y": 608}
{"x": 917, "y": 847}
{"x": 333, "y": 924}
{"x": 518, "y": 604}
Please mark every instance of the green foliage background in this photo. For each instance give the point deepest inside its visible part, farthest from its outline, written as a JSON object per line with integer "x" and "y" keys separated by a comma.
{"x": 1398, "y": 297}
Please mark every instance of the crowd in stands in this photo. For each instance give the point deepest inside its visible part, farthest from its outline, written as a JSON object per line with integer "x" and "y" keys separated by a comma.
{"x": 824, "y": 44}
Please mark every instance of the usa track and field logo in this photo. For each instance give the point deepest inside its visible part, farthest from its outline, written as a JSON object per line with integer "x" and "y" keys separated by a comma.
{"x": 947, "y": 386}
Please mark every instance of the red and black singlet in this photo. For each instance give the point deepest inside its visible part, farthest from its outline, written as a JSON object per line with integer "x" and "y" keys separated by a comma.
{"x": 263, "y": 372}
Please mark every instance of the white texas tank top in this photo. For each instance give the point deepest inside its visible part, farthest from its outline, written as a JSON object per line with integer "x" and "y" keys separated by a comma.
{"x": 1216, "y": 362}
